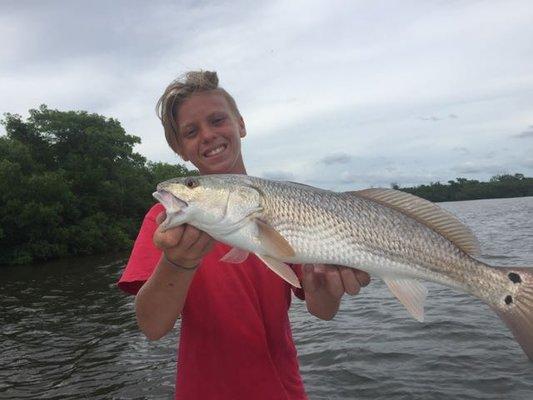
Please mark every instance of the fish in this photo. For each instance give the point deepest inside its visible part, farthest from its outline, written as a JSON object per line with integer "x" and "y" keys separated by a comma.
{"x": 400, "y": 238}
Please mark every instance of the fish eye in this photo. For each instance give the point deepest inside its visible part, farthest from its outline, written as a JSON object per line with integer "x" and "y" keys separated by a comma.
{"x": 191, "y": 183}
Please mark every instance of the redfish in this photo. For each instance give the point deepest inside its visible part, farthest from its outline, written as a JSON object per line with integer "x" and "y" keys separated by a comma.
{"x": 396, "y": 236}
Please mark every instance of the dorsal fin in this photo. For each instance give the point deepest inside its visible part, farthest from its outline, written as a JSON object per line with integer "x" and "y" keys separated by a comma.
{"x": 426, "y": 212}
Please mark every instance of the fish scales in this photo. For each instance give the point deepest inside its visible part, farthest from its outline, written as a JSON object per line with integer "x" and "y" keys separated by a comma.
{"x": 358, "y": 228}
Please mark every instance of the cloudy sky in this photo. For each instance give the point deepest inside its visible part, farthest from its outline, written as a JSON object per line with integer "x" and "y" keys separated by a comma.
{"x": 337, "y": 94}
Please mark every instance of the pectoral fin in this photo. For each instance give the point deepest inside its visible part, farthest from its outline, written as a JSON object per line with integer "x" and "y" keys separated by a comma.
{"x": 274, "y": 243}
{"x": 411, "y": 293}
{"x": 281, "y": 269}
{"x": 235, "y": 256}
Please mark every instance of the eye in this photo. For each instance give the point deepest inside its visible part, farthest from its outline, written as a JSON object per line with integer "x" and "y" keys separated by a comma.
{"x": 191, "y": 183}
{"x": 189, "y": 133}
{"x": 218, "y": 120}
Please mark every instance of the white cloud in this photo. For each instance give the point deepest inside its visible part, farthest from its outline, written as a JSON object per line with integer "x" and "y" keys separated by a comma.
{"x": 525, "y": 134}
{"x": 337, "y": 158}
{"x": 357, "y": 85}
{"x": 278, "y": 175}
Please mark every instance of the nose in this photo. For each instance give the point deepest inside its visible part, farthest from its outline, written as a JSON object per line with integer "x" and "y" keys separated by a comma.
{"x": 207, "y": 133}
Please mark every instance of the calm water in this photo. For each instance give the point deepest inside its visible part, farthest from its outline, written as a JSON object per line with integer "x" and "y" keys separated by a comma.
{"x": 68, "y": 333}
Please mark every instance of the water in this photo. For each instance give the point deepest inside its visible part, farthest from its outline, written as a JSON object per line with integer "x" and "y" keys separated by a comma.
{"x": 68, "y": 333}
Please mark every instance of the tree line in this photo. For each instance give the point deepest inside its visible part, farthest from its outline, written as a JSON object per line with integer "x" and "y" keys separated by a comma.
{"x": 498, "y": 186}
{"x": 71, "y": 184}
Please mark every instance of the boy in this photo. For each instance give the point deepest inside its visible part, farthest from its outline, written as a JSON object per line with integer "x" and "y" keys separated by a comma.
{"x": 235, "y": 340}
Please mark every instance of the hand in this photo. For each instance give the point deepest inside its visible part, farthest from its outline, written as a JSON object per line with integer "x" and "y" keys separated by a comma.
{"x": 333, "y": 279}
{"x": 184, "y": 245}
{"x": 324, "y": 285}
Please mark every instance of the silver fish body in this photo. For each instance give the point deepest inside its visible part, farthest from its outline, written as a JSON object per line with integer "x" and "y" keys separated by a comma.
{"x": 344, "y": 229}
{"x": 390, "y": 234}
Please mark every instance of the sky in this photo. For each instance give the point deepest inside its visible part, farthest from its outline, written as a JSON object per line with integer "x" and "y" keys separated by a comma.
{"x": 342, "y": 95}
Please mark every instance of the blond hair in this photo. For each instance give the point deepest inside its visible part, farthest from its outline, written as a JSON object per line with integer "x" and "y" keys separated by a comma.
{"x": 180, "y": 90}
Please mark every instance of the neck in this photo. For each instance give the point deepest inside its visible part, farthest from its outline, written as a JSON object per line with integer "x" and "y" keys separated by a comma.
{"x": 238, "y": 168}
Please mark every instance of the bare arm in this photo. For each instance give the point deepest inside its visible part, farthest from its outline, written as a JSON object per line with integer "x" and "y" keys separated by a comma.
{"x": 160, "y": 301}
{"x": 324, "y": 287}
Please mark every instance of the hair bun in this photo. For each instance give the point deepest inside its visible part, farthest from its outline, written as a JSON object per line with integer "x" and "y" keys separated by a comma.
{"x": 202, "y": 79}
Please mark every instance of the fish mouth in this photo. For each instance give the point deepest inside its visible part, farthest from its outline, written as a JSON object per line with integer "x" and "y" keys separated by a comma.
{"x": 174, "y": 208}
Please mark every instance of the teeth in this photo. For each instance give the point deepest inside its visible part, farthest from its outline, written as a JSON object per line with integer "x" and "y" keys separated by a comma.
{"x": 214, "y": 152}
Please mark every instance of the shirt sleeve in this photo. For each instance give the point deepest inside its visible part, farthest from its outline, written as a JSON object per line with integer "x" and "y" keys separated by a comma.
{"x": 144, "y": 255}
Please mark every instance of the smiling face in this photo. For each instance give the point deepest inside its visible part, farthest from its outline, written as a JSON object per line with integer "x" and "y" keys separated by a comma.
{"x": 211, "y": 133}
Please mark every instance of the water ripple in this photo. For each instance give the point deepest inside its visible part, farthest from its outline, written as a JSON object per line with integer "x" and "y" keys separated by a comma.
{"x": 67, "y": 333}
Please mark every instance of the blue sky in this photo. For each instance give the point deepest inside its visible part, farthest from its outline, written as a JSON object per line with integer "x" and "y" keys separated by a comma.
{"x": 337, "y": 94}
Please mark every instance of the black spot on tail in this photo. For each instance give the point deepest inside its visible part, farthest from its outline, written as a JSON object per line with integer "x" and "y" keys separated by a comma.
{"x": 508, "y": 299}
{"x": 514, "y": 277}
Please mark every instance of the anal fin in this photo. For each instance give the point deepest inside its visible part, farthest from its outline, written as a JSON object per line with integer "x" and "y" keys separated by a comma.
{"x": 411, "y": 293}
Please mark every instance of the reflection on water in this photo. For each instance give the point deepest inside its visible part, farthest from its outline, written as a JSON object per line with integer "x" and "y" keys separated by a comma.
{"x": 68, "y": 333}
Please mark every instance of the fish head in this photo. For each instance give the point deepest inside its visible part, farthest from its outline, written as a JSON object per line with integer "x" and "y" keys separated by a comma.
{"x": 212, "y": 203}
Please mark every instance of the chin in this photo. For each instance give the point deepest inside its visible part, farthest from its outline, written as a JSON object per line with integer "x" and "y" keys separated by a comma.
{"x": 221, "y": 167}
{"x": 215, "y": 169}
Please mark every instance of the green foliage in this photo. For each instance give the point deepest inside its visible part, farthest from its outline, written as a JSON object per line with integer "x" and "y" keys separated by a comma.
{"x": 162, "y": 171}
{"x": 499, "y": 186}
{"x": 71, "y": 184}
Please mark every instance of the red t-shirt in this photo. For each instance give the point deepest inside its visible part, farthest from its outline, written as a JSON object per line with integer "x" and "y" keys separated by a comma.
{"x": 236, "y": 340}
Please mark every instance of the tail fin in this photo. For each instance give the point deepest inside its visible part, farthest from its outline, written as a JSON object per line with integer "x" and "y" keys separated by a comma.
{"x": 516, "y": 309}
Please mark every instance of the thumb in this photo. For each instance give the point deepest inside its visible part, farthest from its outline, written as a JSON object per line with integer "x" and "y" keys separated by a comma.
{"x": 160, "y": 217}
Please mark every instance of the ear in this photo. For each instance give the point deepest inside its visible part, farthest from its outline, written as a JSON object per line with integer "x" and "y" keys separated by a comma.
{"x": 242, "y": 127}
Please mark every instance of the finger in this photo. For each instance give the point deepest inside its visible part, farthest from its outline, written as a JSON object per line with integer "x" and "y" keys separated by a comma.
{"x": 192, "y": 255}
{"x": 333, "y": 282}
{"x": 309, "y": 282}
{"x": 349, "y": 281}
{"x": 202, "y": 244}
{"x": 320, "y": 268}
{"x": 160, "y": 217}
{"x": 189, "y": 237}
{"x": 209, "y": 246}
{"x": 169, "y": 238}
{"x": 362, "y": 277}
